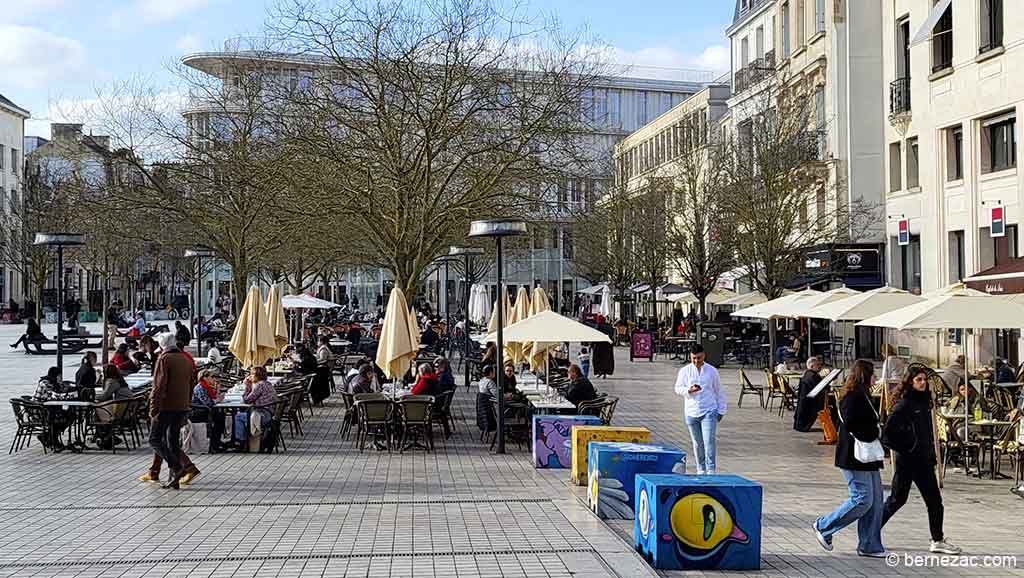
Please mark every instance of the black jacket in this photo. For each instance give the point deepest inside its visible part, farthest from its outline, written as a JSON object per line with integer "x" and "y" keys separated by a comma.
{"x": 85, "y": 376}
{"x": 857, "y": 420}
{"x": 908, "y": 431}
{"x": 580, "y": 389}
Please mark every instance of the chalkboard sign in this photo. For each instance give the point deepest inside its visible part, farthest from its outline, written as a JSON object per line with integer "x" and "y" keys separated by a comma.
{"x": 641, "y": 347}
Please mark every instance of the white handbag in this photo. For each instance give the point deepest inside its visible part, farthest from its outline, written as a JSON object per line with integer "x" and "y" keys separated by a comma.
{"x": 866, "y": 452}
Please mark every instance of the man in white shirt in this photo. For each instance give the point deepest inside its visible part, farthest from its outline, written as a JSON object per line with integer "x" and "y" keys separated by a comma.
{"x": 704, "y": 406}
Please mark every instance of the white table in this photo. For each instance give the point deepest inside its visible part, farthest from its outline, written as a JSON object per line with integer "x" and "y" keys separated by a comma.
{"x": 544, "y": 405}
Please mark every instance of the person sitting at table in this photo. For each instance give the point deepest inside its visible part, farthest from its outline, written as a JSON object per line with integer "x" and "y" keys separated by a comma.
{"x": 147, "y": 352}
{"x": 114, "y": 385}
{"x": 490, "y": 354}
{"x": 580, "y": 389}
{"x": 320, "y": 388}
{"x": 182, "y": 333}
{"x": 86, "y": 374}
{"x": 306, "y": 363}
{"x": 205, "y": 396}
{"x": 323, "y": 352}
{"x": 355, "y": 333}
{"x": 893, "y": 367}
{"x": 51, "y": 388}
{"x": 123, "y": 360}
{"x": 426, "y": 381}
{"x": 807, "y": 408}
{"x": 363, "y": 380}
{"x": 138, "y": 328}
{"x": 429, "y": 337}
{"x": 33, "y": 334}
{"x": 445, "y": 377}
{"x": 114, "y": 389}
{"x": 488, "y": 390}
{"x": 213, "y": 354}
{"x": 1004, "y": 373}
{"x": 955, "y": 373}
{"x": 508, "y": 381}
{"x": 259, "y": 393}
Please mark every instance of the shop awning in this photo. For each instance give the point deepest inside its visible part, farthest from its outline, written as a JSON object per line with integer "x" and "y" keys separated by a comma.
{"x": 1003, "y": 279}
{"x": 924, "y": 33}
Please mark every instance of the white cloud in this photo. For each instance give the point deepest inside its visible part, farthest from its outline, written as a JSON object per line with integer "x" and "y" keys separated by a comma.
{"x": 164, "y": 10}
{"x": 188, "y": 43}
{"x": 17, "y": 11}
{"x": 31, "y": 57}
{"x": 714, "y": 57}
{"x": 669, "y": 63}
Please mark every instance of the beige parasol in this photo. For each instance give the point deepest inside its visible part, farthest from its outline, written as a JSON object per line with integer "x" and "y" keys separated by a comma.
{"x": 520, "y": 311}
{"x": 506, "y": 312}
{"x": 277, "y": 320}
{"x": 397, "y": 347}
{"x": 536, "y": 351}
{"x": 253, "y": 342}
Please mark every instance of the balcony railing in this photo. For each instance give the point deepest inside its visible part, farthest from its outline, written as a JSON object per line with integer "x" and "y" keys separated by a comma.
{"x": 758, "y": 70}
{"x": 814, "y": 145}
{"x": 899, "y": 97}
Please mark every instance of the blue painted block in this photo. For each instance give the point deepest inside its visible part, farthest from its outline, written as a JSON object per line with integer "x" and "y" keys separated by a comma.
{"x": 552, "y": 439}
{"x": 613, "y": 469}
{"x": 698, "y": 522}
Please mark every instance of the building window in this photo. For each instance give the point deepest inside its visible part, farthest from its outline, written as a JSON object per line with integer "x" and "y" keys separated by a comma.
{"x": 956, "y": 256}
{"x": 785, "y": 30}
{"x": 641, "y": 108}
{"x": 913, "y": 164}
{"x": 1, "y": 157}
{"x": 999, "y": 143}
{"x": 895, "y": 168}
{"x": 991, "y": 25}
{"x": 820, "y": 208}
{"x": 954, "y": 154}
{"x": 614, "y": 109}
{"x": 819, "y": 16}
{"x": 801, "y": 17}
{"x": 14, "y": 161}
{"x": 903, "y": 48}
{"x": 759, "y": 42}
{"x": 567, "y": 244}
{"x": 744, "y": 52}
{"x": 910, "y": 265}
{"x": 942, "y": 42}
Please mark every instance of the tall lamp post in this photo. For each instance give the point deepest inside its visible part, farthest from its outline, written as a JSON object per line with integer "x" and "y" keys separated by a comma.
{"x": 467, "y": 253}
{"x": 499, "y": 229}
{"x": 198, "y": 252}
{"x": 60, "y": 240}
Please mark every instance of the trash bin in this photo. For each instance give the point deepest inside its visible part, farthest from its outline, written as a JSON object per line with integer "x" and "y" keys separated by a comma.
{"x": 711, "y": 335}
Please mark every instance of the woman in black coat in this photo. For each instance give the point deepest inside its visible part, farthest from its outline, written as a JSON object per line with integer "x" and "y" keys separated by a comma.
{"x": 602, "y": 358}
{"x": 807, "y": 408}
{"x": 909, "y": 433}
{"x": 858, "y": 422}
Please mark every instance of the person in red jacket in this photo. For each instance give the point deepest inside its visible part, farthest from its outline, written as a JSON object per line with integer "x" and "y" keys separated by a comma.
{"x": 123, "y": 360}
{"x": 426, "y": 381}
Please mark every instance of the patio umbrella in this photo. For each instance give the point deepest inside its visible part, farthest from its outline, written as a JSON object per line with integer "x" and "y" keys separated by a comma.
{"x": 414, "y": 328}
{"x": 716, "y": 297}
{"x": 536, "y": 351}
{"x": 397, "y": 347}
{"x": 552, "y": 327}
{"x": 520, "y": 311}
{"x": 503, "y": 302}
{"x": 480, "y": 305}
{"x": 776, "y": 307}
{"x": 749, "y": 299}
{"x": 277, "y": 320}
{"x": 864, "y": 305}
{"x": 594, "y": 289}
{"x": 606, "y": 302}
{"x": 253, "y": 342}
{"x": 302, "y": 301}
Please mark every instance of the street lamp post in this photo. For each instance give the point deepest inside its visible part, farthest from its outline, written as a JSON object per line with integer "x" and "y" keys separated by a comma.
{"x": 499, "y": 229}
{"x": 198, "y": 252}
{"x": 467, "y": 253}
{"x": 60, "y": 240}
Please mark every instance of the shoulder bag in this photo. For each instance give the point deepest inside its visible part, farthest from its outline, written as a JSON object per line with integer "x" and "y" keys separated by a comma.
{"x": 866, "y": 452}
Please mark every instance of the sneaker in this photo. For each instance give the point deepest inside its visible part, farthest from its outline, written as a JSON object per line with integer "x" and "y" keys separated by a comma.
{"x": 149, "y": 477}
{"x": 880, "y": 554}
{"x": 944, "y": 547}
{"x": 189, "y": 475}
{"x": 826, "y": 543}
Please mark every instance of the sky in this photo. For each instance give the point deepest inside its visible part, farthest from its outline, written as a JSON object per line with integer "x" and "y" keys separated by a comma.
{"x": 54, "y": 52}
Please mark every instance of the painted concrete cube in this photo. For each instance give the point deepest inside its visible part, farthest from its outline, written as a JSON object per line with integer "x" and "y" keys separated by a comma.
{"x": 584, "y": 434}
{"x": 698, "y": 522}
{"x": 552, "y": 437}
{"x": 613, "y": 469}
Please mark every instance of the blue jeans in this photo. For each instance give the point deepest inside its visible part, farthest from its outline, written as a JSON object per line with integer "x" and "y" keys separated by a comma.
{"x": 864, "y": 506}
{"x": 702, "y": 432}
{"x": 585, "y": 368}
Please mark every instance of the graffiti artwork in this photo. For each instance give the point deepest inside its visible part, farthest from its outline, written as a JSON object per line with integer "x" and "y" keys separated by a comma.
{"x": 582, "y": 435}
{"x": 613, "y": 469}
{"x": 698, "y": 522}
{"x": 552, "y": 438}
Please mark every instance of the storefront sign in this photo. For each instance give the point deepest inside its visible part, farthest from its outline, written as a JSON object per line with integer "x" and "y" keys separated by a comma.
{"x": 997, "y": 225}
{"x": 904, "y": 232}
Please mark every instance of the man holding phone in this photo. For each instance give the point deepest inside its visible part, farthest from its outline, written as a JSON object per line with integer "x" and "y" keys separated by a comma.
{"x": 704, "y": 406}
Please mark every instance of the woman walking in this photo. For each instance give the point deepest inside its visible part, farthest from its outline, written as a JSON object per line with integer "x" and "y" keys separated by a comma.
{"x": 858, "y": 426}
{"x": 908, "y": 432}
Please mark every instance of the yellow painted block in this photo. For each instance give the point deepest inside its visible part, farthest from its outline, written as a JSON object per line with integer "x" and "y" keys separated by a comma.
{"x": 584, "y": 434}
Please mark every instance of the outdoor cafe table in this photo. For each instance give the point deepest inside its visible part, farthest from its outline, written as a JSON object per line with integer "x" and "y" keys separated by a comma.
{"x": 989, "y": 426}
{"x": 677, "y": 343}
{"x": 551, "y": 405}
{"x": 79, "y": 412}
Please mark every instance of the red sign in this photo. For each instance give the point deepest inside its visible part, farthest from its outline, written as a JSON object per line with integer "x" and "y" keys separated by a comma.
{"x": 997, "y": 224}
{"x": 904, "y": 232}
{"x": 640, "y": 347}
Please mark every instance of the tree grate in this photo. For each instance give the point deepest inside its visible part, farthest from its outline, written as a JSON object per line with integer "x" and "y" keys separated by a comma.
{"x": 287, "y": 557}
{"x": 399, "y": 502}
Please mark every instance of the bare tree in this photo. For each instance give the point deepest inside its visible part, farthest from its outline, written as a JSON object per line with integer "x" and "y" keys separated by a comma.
{"x": 649, "y": 225}
{"x": 601, "y": 241}
{"x": 431, "y": 116}
{"x": 702, "y": 243}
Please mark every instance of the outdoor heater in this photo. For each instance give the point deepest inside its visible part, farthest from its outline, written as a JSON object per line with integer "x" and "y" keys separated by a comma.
{"x": 198, "y": 252}
{"x": 60, "y": 240}
{"x": 499, "y": 229}
{"x": 467, "y": 253}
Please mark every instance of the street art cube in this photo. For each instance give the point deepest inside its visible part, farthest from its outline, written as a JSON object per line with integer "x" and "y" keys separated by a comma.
{"x": 613, "y": 468}
{"x": 552, "y": 435}
{"x": 584, "y": 434}
{"x": 698, "y": 522}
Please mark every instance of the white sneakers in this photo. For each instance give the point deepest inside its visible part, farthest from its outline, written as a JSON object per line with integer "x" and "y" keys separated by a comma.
{"x": 944, "y": 547}
{"x": 826, "y": 543}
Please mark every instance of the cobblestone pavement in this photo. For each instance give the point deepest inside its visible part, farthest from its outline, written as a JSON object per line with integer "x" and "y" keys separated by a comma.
{"x": 325, "y": 509}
